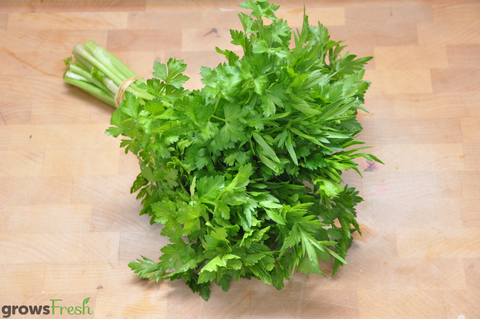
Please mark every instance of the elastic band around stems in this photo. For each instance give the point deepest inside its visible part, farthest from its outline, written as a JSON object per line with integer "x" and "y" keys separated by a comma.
{"x": 123, "y": 88}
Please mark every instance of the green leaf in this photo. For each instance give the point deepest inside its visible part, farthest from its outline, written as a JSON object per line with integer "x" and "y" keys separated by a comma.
{"x": 147, "y": 269}
{"x": 290, "y": 148}
{"x": 213, "y": 264}
{"x": 251, "y": 5}
{"x": 189, "y": 216}
{"x": 308, "y": 246}
{"x": 247, "y": 23}
{"x": 224, "y": 282}
{"x": 330, "y": 188}
{"x": 231, "y": 132}
{"x": 209, "y": 187}
{"x": 130, "y": 105}
{"x": 275, "y": 217}
{"x": 260, "y": 84}
{"x": 268, "y": 150}
{"x": 252, "y": 259}
{"x": 160, "y": 70}
{"x": 231, "y": 56}
{"x": 271, "y": 204}
{"x": 316, "y": 161}
{"x": 154, "y": 106}
{"x": 217, "y": 262}
{"x": 217, "y": 238}
{"x": 206, "y": 276}
{"x": 166, "y": 213}
{"x": 175, "y": 254}
{"x": 173, "y": 76}
{"x": 241, "y": 180}
{"x": 192, "y": 186}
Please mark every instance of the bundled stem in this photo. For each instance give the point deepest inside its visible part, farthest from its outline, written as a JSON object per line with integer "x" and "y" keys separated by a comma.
{"x": 99, "y": 73}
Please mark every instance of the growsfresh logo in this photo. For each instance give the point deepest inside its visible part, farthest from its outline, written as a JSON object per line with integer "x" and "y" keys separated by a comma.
{"x": 55, "y": 307}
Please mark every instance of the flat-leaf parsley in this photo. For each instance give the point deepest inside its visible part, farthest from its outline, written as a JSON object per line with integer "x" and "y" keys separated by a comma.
{"x": 245, "y": 174}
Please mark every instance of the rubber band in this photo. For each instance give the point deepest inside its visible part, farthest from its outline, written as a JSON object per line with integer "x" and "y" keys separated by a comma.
{"x": 123, "y": 88}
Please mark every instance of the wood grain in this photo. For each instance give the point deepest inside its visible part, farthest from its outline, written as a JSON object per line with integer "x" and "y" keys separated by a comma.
{"x": 413, "y": 57}
{"x": 69, "y": 225}
{"x": 35, "y": 190}
{"x": 139, "y": 305}
{"x": 60, "y": 137}
{"x": 421, "y": 158}
{"x": 470, "y": 129}
{"x": 461, "y": 302}
{"x": 23, "y": 248}
{"x": 470, "y": 184}
{"x": 17, "y": 280}
{"x": 376, "y": 34}
{"x": 50, "y": 41}
{"x": 200, "y": 39}
{"x": 144, "y": 40}
{"x": 47, "y": 218}
{"x": 412, "y": 131}
{"x": 21, "y": 163}
{"x": 397, "y": 213}
{"x": 414, "y": 186}
{"x": 455, "y": 80}
{"x": 388, "y": 14}
{"x": 435, "y": 243}
{"x": 470, "y": 216}
{"x": 68, "y": 21}
{"x": 448, "y": 33}
{"x": 4, "y": 136}
{"x": 437, "y": 105}
{"x": 326, "y": 16}
{"x": 407, "y": 81}
{"x": 160, "y": 20}
{"x": 72, "y": 6}
{"x": 456, "y": 12}
{"x": 463, "y": 56}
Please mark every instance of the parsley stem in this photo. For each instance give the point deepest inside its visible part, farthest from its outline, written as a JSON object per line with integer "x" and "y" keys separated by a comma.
{"x": 81, "y": 51}
{"x": 113, "y": 61}
{"x": 91, "y": 89}
{"x": 216, "y": 104}
{"x": 183, "y": 188}
{"x": 218, "y": 118}
{"x": 100, "y": 73}
{"x": 78, "y": 70}
{"x": 245, "y": 89}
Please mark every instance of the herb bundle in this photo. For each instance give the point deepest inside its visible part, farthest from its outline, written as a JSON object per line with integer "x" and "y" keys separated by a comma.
{"x": 245, "y": 174}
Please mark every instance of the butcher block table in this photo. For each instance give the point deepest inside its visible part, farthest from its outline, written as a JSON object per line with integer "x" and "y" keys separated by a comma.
{"x": 69, "y": 226}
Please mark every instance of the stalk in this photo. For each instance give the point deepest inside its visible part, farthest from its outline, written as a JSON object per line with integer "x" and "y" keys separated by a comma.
{"x": 91, "y": 89}
{"x": 81, "y": 65}
{"x": 100, "y": 73}
{"x": 112, "y": 60}
{"x": 97, "y": 56}
{"x": 78, "y": 70}
{"x": 77, "y": 53}
{"x": 110, "y": 85}
{"x": 96, "y": 63}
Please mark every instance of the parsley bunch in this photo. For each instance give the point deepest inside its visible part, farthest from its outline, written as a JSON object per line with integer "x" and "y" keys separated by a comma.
{"x": 245, "y": 174}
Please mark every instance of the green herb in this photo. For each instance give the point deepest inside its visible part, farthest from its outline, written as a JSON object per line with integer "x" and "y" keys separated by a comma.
{"x": 245, "y": 174}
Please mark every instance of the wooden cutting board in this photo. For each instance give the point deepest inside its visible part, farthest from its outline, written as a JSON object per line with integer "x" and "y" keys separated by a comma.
{"x": 69, "y": 227}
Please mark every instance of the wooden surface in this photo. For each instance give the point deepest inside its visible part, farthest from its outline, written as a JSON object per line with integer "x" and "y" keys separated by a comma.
{"x": 69, "y": 227}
